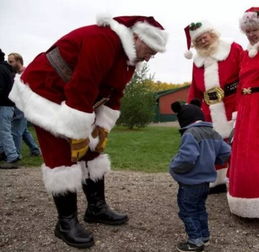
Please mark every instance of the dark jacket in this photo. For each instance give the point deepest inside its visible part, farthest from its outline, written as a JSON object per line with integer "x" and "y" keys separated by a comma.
{"x": 201, "y": 148}
{"x": 6, "y": 83}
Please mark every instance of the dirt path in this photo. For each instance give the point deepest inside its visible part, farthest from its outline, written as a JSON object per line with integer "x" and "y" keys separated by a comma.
{"x": 28, "y": 216}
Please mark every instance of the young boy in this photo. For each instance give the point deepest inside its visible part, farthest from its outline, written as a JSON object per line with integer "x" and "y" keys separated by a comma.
{"x": 193, "y": 168}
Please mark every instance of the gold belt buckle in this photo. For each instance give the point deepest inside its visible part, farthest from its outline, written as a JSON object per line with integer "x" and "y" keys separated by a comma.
{"x": 218, "y": 94}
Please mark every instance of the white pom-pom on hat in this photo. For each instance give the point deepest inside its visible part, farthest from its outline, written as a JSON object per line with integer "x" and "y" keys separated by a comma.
{"x": 188, "y": 54}
{"x": 103, "y": 19}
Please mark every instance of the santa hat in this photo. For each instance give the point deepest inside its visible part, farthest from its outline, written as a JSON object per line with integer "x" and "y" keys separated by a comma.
{"x": 188, "y": 113}
{"x": 193, "y": 31}
{"x": 148, "y": 29}
{"x": 250, "y": 19}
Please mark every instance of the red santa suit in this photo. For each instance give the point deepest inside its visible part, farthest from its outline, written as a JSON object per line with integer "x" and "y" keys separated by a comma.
{"x": 210, "y": 73}
{"x": 101, "y": 61}
{"x": 243, "y": 195}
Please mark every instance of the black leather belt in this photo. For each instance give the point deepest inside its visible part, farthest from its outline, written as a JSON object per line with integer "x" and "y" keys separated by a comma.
{"x": 63, "y": 70}
{"x": 230, "y": 88}
{"x": 216, "y": 94}
{"x": 250, "y": 90}
{"x": 59, "y": 64}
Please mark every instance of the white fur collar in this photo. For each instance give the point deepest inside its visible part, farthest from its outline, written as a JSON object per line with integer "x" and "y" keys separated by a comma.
{"x": 125, "y": 34}
{"x": 253, "y": 49}
{"x": 222, "y": 53}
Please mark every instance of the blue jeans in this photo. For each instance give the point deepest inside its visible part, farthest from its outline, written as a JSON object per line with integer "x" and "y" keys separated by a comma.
{"x": 20, "y": 132}
{"x": 7, "y": 145}
{"x": 192, "y": 204}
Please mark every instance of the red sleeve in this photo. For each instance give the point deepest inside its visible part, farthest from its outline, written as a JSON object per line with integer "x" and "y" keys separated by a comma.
{"x": 194, "y": 92}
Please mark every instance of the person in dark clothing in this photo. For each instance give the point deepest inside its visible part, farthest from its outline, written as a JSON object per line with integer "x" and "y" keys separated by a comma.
{"x": 193, "y": 168}
{"x": 8, "y": 151}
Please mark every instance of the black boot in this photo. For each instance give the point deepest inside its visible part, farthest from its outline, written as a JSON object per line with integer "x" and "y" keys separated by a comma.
{"x": 98, "y": 211}
{"x": 221, "y": 188}
{"x": 67, "y": 228}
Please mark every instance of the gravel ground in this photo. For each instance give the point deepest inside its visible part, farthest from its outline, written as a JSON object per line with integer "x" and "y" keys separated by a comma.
{"x": 28, "y": 216}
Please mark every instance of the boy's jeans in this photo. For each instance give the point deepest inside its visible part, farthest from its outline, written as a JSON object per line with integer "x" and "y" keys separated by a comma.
{"x": 191, "y": 201}
{"x": 6, "y": 139}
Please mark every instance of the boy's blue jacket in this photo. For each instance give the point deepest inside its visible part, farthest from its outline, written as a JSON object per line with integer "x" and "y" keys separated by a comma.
{"x": 201, "y": 148}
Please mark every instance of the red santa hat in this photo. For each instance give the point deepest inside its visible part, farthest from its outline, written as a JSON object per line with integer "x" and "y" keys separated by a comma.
{"x": 147, "y": 29}
{"x": 193, "y": 31}
{"x": 250, "y": 19}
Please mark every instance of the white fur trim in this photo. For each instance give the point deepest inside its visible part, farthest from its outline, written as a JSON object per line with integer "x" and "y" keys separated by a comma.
{"x": 98, "y": 167}
{"x": 59, "y": 119}
{"x": 219, "y": 119}
{"x": 253, "y": 50}
{"x": 125, "y": 34}
{"x": 221, "y": 53}
{"x": 62, "y": 179}
{"x": 249, "y": 20}
{"x": 106, "y": 117}
{"x": 188, "y": 54}
{"x": 243, "y": 207}
{"x": 154, "y": 37}
{"x": 217, "y": 111}
{"x": 234, "y": 115}
{"x": 103, "y": 19}
{"x": 205, "y": 27}
{"x": 221, "y": 178}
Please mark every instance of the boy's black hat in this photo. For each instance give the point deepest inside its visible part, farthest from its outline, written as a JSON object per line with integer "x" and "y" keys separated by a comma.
{"x": 188, "y": 113}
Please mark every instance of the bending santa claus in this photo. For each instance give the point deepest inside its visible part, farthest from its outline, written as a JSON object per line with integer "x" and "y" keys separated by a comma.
{"x": 72, "y": 93}
{"x": 215, "y": 79}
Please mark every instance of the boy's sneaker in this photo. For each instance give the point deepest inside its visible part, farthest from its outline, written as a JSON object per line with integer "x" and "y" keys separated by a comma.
{"x": 186, "y": 246}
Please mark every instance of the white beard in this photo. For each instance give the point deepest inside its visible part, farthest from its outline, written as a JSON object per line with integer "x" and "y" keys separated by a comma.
{"x": 209, "y": 50}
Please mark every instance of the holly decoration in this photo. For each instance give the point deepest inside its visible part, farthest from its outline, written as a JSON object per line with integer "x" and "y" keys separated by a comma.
{"x": 194, "y": 26}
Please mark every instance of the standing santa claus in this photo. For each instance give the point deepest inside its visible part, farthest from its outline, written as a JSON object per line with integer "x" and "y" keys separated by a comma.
{"x": 243, "y": 194}
{"x": 216, "y": 67}
{"x": 72, "y": 94}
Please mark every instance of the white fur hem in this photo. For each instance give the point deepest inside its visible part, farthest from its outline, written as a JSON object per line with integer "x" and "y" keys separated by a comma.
{"x": 221, "y": 178}
{"x": 106, "y": 117}
{"x": 61, "y": 179}
{"x": 125, "y": 34}
{"x": 219, "y": 119}
{"x": 59, "y": 119}
{"x": 97, "y": 167}
{"x": 244, "y": 207}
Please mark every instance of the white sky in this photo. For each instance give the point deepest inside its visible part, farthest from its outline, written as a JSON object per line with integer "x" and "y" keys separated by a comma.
{"x": 32, "y": 26}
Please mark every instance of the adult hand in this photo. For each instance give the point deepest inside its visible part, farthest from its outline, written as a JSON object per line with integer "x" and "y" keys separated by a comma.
{"x": 103, "y": 138}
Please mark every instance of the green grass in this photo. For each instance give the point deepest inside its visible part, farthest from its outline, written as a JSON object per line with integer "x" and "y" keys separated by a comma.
{"x": 148, "y": 150}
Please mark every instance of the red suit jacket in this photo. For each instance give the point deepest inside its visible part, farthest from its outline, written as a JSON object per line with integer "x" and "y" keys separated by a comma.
{"x": 219, "y": 70}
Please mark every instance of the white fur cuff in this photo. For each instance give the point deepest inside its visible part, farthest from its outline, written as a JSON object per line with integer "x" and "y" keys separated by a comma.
{"x": 97, "y": 167}
{"x": 60, "y": 180}
{"x": 59, "y": 119}
{"x": 106, "y": 117}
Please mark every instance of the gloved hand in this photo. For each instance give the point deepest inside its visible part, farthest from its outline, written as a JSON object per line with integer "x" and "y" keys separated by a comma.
{"x": 103, "y": 138}
{"x": 78, "y": 148}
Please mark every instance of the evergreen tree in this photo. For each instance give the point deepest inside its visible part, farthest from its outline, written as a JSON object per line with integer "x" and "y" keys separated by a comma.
{"x": 137, "y": 105}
